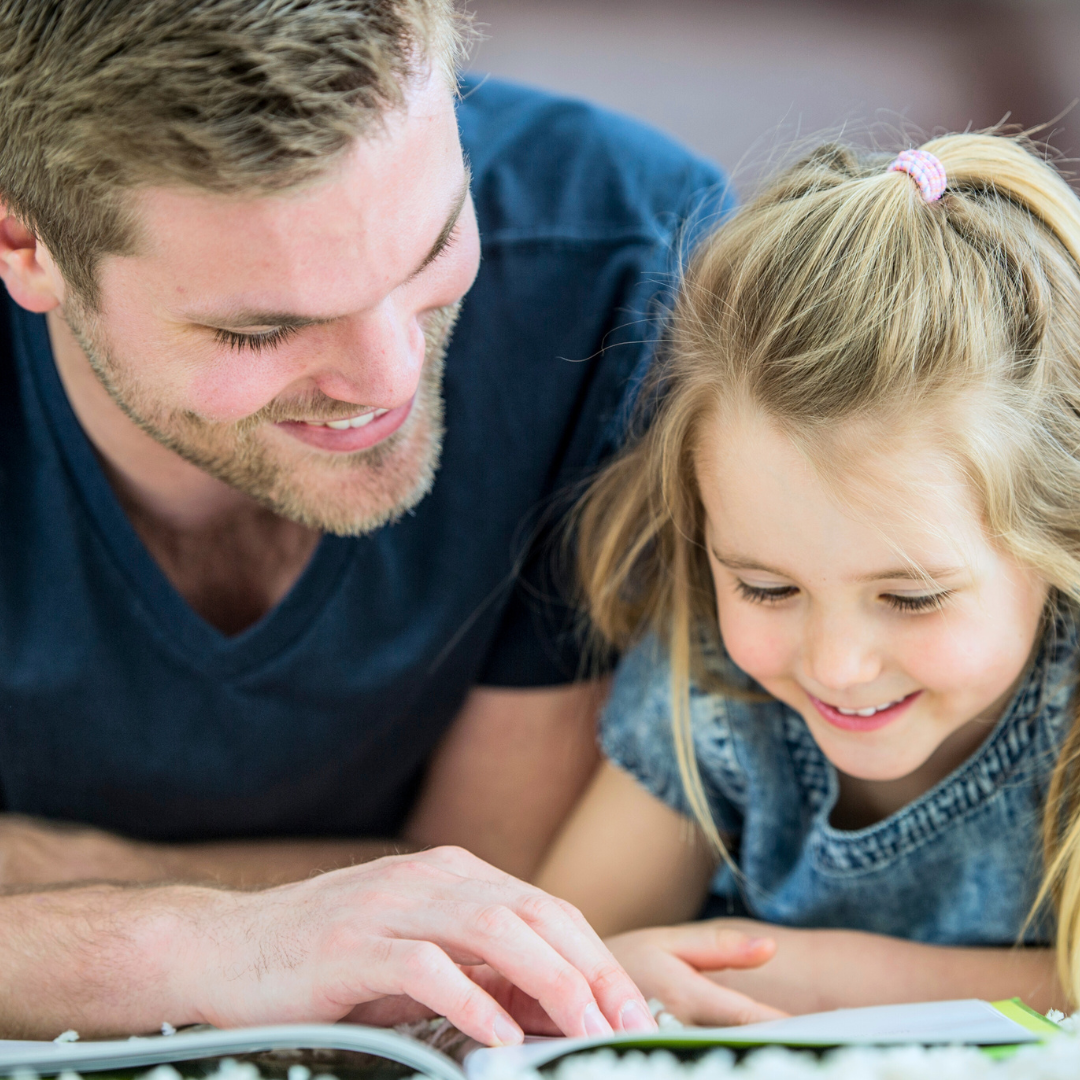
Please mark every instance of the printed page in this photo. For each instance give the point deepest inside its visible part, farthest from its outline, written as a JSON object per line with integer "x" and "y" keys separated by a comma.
{"x": 966, "y": 1021}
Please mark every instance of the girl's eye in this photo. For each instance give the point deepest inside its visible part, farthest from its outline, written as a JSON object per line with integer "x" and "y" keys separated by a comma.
{"x": 757, "y": 595}
{"x": 256, "y": 342}
{"x": 929, "y": 602}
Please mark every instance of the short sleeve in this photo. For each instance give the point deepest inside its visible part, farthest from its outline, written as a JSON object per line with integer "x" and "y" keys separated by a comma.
{"x": 631, "y": 284}
{"x": 636, "y": 735}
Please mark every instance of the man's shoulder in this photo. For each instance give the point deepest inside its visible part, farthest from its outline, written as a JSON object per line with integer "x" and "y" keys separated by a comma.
{"x": 551, "y": 167}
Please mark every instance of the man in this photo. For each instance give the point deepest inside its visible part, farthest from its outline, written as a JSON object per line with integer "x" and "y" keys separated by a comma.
{"x": 274, "y": 564}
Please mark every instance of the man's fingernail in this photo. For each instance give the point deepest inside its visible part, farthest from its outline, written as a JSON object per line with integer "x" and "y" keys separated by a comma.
{"x": 506, "y": 1032}
{"x": 595, "y": 1024}
{"x": 754, "y": 942}
{"x": 633, "y": 1016}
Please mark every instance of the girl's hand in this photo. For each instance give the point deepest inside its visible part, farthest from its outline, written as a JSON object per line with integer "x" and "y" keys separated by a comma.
{"x": 667, "y": 962}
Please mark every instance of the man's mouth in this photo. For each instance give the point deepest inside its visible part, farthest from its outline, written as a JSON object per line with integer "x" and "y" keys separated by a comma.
{"x": 869, "y": 718}
{"x": 350, "y": 434}
{"x": 362, "y": 420}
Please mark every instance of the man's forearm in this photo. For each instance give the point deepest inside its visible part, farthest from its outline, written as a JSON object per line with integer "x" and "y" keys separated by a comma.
{"x": 35, "y": 852}
{"x": 102, "y": 959}
{"x": 113, "y": 959}
{"x": 814, "y": 970}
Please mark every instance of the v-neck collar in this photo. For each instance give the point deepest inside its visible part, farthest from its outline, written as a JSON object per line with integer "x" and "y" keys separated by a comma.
{"x": 202, "y": 644}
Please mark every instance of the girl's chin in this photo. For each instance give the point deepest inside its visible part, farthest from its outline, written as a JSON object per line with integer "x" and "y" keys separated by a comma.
{"x": 892, "y": 756}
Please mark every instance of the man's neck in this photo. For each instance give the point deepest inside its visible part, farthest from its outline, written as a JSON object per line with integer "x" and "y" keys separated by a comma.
{"x": 228, "y": 556}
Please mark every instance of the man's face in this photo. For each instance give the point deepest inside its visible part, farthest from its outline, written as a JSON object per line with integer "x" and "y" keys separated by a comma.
{"x": 292, "y": 345}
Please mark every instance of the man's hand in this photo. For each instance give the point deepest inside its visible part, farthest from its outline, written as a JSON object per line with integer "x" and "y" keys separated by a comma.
{"x": 667, "y": 962}
{"x": 109, "y": 960}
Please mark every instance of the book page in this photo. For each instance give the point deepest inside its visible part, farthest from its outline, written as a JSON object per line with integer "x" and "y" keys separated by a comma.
{"x": 938, "y": 1022}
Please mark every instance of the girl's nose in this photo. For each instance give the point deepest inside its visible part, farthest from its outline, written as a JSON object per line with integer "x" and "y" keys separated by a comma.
{"x": 840, "y": 654}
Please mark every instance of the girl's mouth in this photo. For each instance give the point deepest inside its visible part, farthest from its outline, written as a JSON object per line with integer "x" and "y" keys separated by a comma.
{"x": 868, "y": 719}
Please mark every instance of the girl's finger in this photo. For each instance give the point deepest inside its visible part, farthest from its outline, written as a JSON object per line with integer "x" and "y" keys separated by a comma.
{"x": 708, "y": 946}
{"x": 694, "y": 999}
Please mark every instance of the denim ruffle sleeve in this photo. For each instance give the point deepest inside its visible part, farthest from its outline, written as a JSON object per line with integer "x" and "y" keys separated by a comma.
{"x": 636, "y": 736}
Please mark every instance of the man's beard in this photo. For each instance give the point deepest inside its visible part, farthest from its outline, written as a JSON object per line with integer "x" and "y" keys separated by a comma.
{"x": 348, "y": 494}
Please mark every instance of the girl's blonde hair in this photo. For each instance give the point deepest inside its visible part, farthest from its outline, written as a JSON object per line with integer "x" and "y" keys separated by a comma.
{"x": 839, "y": 294}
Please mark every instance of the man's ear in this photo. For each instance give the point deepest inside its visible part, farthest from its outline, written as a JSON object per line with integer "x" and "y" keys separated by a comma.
{"x": 26, "y": 268}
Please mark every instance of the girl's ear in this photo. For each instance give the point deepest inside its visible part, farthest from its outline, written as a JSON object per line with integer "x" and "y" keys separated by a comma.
{"x": 26, "y": 268}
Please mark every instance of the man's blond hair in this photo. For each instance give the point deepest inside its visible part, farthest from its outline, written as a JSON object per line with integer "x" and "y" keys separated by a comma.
{"x": 100, "y": 97}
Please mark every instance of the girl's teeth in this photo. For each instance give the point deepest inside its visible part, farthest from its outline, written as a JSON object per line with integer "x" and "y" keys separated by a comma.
{"x": 867, "y": 712}
{"x": 353, "y": 421}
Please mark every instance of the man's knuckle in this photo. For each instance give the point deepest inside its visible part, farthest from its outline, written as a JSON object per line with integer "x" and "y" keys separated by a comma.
{"x": 449, "y": 855}
{"x": 606, "y": 976}
{"x": 423, "y": 960}
{"x": 568, "y": 983}
{"x": 540, "y": 909}
{"x": 495, "y": 920}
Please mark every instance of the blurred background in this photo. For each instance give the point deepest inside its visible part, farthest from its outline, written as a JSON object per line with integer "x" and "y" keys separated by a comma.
{"x": 747, "y": 82}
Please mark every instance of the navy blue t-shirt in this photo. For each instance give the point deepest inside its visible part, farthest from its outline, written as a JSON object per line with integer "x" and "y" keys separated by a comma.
{"x": 122, "y": 708}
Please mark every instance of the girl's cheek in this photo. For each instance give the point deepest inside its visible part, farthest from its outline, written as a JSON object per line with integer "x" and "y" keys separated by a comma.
{"x": 972, "y": 658}
{"x": 760, "y": 643}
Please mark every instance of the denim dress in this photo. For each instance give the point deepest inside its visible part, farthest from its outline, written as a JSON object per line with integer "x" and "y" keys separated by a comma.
{"x": 960, "y": 865}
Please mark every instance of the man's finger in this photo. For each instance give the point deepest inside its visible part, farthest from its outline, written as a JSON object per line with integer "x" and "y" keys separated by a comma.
{"x": 565, "y": 928}
{"x": 525, "y": 1010}
{"x": 507, "y": 944}
{"x": 422, "y": 971}
{"x": 586, "y": 972}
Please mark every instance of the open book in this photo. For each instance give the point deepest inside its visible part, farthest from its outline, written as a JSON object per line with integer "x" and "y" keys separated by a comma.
{"x": 973, "y": 1022}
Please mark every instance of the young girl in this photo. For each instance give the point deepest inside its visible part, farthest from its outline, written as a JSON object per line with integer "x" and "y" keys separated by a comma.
{"x": 845, "y": 560}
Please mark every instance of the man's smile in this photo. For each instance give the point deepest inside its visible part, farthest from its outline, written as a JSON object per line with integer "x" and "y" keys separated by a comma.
{"x": 350, "y": 434}
{"x": 358, "y": 421}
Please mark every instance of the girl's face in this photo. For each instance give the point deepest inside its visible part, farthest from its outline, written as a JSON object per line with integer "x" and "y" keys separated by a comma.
{"x": 888, "y": 621}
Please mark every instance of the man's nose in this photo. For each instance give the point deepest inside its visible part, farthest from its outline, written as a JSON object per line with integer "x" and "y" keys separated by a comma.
{"x": 841, "y": 652}
{"x": 373, "y": 359}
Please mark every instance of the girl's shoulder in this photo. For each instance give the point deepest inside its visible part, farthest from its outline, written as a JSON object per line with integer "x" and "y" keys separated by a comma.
{"x": 734, "y": 724}
{"x": 721, "y": 694}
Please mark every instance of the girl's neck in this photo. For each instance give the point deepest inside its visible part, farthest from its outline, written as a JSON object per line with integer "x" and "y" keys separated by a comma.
{"x": 862, "y": 803}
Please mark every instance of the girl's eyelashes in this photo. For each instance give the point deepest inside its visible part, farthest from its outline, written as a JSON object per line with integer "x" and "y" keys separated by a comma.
{"x": 268, "y": 339}
{"x": 926, "y": 602}
{"x": 758, "y": 594}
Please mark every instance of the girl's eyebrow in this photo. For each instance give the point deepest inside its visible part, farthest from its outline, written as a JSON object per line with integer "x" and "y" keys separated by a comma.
{"x": 733, "y": 562}
{"x": 927, "y": 575}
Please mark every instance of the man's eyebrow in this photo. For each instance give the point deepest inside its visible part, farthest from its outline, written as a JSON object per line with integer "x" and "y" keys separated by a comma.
{"x": 240, "y": 320}
{"x": 278, "y": 319}
{"x": 926, "y": 575}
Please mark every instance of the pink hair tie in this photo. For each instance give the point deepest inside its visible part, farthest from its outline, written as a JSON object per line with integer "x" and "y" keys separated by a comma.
{"x": 925, "y": 170}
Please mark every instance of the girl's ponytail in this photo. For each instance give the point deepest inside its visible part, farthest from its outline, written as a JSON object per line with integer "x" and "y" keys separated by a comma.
{"x": 1003, "y": 167}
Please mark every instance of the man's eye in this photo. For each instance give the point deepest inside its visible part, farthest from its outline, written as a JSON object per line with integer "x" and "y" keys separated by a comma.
{"x": 928, "y": 602}
{"x": 256, "y": 342}
{"x": 757, "y": 595}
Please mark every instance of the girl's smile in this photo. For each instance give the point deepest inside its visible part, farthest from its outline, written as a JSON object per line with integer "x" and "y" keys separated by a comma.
{"x": 873, "y": 603}
{"x": 869, "y": 719}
